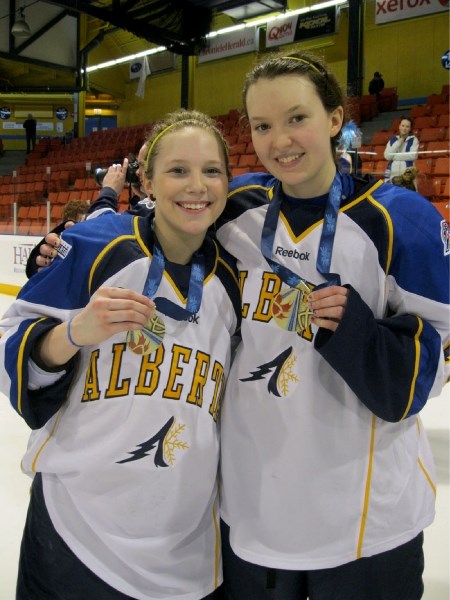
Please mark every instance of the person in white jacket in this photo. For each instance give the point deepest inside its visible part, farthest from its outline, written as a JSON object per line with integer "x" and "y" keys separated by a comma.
{"x": 401, "y": 150}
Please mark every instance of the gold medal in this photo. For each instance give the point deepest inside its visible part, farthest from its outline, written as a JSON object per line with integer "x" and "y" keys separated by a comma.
{"x": 148, "y": 339}
{"x": 290, "y": 309}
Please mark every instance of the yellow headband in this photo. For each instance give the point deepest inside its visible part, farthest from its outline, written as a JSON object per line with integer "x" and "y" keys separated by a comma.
{"x": 152, "y": 145}
{"x": 303, "y": 61}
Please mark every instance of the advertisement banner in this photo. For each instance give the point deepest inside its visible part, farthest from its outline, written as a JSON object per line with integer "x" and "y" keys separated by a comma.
{"x": 301, "y": 27}
{"x": 387, "y": 11}
{"x": 15, "y": 250}
{"x": 282, "y": 31}
{"x": 316, "y": 23}
{"x": 229, "y": 44}
{"x": 39, "y": 126}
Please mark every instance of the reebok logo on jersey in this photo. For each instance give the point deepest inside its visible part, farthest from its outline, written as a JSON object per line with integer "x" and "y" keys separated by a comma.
{"x": 64, "y": 249}
{"x": 193, "y": 319}
{"x": 280, "y": 251}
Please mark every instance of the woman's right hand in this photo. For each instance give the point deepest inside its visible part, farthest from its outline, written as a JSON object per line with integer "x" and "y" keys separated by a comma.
{"x": 111, "y": 310}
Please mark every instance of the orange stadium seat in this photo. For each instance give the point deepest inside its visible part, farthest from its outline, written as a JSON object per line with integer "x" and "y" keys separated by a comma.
{"x": 368, "y": 167}
{"x": 388, "y": 99}
{"x": 431, "y": 134}
{"x": 420, "y": 110}
{"x": 425, "y": 121}
{"x": 442, "y": 166}
{"x": 440, "y": 109}
{"x": 438, "y": 187}
{"x": 380, "y": 168}
{"x": 381, "y": 137}
{"x": 443, "y": 206}
{"x": 368, "y": 107}
{"x": 443, "y": 120}
{"x": 238, "y": 149}
{"x": 248, "y": 160}
{"x": 438, "y": 147}
{"x": 379, "y": 151}
{"x": 424, "y": 165}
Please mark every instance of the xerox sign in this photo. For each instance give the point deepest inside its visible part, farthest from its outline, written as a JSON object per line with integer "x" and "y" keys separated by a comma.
{"x": 387, "y": 11}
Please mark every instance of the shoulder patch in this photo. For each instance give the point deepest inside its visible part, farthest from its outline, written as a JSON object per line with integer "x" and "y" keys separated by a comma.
{"x": 64, "y": 249}
{"x": 445, "y": 236}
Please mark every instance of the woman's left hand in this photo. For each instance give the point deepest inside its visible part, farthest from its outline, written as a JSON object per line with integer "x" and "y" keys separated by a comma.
{"x": 328, "y": 305}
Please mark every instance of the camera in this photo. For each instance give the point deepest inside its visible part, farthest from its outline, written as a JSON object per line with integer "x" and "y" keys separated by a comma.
{"x": 131, "y": 176}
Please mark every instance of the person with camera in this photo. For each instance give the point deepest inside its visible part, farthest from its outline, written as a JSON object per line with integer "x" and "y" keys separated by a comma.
{"x": 113, "y": 181}
{"x": 107, "y": 201}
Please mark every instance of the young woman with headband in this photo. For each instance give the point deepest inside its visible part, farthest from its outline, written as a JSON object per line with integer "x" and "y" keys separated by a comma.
{"x": 116, "y": 356}
{"x": 327, "y": 475}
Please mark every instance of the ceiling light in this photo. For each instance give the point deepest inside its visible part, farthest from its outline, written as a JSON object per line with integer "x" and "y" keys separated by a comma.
{"x": 21, "y": 27}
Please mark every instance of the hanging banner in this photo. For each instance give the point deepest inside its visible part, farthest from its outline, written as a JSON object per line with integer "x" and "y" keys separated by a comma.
{"x": 229, "y": 44}
{"x": 281, "y": 32}
{"x": 301, "y": 27}
{"x": 137, "y": 67}
{"x": 387, "y": 11}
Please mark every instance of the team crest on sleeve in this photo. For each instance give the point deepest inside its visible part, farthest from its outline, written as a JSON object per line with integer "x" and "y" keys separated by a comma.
{"x": 163, "y": 445}
{"x": 445, "y": 236}
{"x": 63, "y": 249}
{"x": 279, "y": 371}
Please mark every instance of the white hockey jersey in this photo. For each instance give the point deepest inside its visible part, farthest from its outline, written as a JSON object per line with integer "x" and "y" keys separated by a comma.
{"x": 324, "y": 457}
{"x": 129, "y": 461}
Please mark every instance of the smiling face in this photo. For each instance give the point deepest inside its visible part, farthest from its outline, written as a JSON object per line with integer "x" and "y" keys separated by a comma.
{"x": 190, "y": 185}
{"x": 291, "y": 133}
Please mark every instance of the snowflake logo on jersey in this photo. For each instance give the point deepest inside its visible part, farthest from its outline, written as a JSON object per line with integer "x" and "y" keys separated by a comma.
{"x": 281, "y": 373}
{"x": 445, "y": 236}
{"x": 166, "y": 442}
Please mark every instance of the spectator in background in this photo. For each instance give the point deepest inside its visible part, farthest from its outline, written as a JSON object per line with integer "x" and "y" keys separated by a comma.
{"x": 30, "y": 129}
{"x": 401, "y": 150}
{"x": 407, "y": 179}
{"x": 376, "y": 84}
{"x": 75, "y": 210}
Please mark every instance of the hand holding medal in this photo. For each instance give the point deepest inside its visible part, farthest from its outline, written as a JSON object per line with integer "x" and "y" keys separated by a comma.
{"x": 150, "y": 337}
{"x": 295, "y": 308}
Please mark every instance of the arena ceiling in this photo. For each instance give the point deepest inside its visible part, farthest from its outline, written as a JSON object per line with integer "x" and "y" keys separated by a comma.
{"x": 125, "y": 26}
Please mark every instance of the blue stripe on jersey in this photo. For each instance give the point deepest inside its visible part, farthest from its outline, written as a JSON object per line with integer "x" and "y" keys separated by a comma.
{"x": 428, "y": 352}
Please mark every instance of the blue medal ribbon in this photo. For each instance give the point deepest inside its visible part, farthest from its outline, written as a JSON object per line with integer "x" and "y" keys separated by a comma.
{"x": 154, "y": 276}
{"x": 342, "y": 187}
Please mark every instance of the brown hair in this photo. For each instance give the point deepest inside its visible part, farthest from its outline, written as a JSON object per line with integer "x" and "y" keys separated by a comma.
{"x": 406, "y": 179}
{"x": 304, "y": 64}
{"x": 175, "y": 121}
{"x": 73, "y": 209}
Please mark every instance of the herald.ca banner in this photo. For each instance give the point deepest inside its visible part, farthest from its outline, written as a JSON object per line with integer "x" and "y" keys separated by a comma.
{"x": 229, "y": 44}
{"x": 387, "y": 11}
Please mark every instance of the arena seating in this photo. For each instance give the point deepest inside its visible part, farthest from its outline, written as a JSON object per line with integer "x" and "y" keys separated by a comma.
{"x": 56, "y": 172}
{"x": 431, "y": 126}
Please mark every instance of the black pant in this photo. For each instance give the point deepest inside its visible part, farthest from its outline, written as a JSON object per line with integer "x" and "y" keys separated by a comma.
{"x": 392, "y": 575}
{"x": 49, "y": 570}
{"x": 31, "y": 143}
